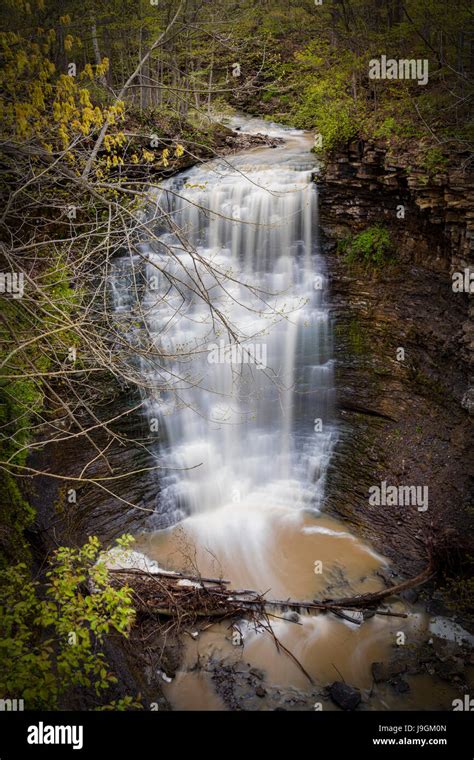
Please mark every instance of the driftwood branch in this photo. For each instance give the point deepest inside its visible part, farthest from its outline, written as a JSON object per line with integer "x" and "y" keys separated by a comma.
{"x": 185, "y": 596}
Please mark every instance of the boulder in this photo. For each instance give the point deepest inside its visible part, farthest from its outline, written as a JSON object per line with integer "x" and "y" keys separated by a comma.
{"x": 344, "y": 696}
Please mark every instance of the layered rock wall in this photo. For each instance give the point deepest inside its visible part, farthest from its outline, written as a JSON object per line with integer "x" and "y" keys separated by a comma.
{"x": 404, "y": 421}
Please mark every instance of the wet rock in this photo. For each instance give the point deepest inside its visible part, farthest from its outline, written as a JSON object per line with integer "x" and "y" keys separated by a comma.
{"x": 344, "y": 696}
{"x": 396, "y": 416}
{"x": 379, "y": 672}
{"x": 412, "y": 663}
{"x": 449, "y": 669}
{"x": 441, "y": 647}
{"x": 410, "y": 595}
{"x": 386, "y": 576}
{"x": 238, "y": 141}
{"x": 468, "y": 401}
{"x": 292, "y": 617}
{"x": 399, "y": 685}
{"x": 436, "y": 605}
{"x": 382, "y": 671}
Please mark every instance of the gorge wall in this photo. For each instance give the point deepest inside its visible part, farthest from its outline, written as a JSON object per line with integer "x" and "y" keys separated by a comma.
{"x": 405, "y": 422}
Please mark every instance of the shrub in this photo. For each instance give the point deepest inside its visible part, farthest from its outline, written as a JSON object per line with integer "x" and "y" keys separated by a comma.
{"x": 51, "y": 636}
{"x": 331, "y": 112}
{"x": 372, "y": 247}
{"x": 434, "y": 161}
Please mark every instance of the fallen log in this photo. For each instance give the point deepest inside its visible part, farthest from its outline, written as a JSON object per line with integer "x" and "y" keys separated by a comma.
{"x": 361, "y": 601}
{"x": 186, "y": 597}
{"x": 171, "y": 574}
{"x": 374, "y": 598}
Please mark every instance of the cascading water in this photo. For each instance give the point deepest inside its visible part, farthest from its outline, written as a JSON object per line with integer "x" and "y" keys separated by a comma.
{"x": 249, "y": 418}
{"x": 241, "y": 384}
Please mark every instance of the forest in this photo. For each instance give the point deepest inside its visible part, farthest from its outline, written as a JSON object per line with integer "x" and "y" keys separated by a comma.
{"x": 179, "y": 175}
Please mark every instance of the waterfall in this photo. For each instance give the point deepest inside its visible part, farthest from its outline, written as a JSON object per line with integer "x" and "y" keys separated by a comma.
{"x": 224, "y": 297}
{"x": 236, "y": 309}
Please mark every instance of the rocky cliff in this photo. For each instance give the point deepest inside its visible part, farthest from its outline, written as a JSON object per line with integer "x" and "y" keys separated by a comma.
{"x": 402, "y": 420}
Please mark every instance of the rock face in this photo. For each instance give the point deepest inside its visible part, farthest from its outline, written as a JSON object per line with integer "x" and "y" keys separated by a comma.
{"x": 403, "y": 421}
{"x": 126, "y": 502}
{"x": 382, "y": 671}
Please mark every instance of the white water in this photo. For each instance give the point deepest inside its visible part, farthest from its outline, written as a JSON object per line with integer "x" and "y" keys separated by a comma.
{"x": 241, "y": 428}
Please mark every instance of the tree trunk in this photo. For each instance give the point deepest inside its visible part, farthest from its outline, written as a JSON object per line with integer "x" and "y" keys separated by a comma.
{"x": 95, "y": 45}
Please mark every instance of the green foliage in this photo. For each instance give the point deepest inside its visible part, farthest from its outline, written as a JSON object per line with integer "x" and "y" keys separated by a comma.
{"x": 120, "y": 705}
{"x": 336, "y": 125}
{"x": 372, "y": 248}
{"x": 322, "y": 98}
{"x": 316, "y": 74}
{"x": 434, "y": 161}
{"x": 351, "y": 333}
{"x": 355, "y": 337}
{"x": 387, "y": 128}
{"x": 395, "y": 129}
{"x": 50, "y": 643}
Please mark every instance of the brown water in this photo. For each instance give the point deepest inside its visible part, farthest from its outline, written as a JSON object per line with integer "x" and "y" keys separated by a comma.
{"x": 328, "y": 648}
